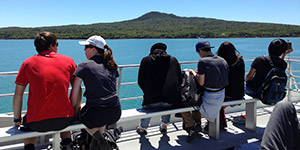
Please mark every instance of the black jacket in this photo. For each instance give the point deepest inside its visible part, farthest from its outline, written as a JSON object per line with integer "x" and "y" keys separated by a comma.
{"x": 236, "y": 75}
{"x": 160, "y": 78}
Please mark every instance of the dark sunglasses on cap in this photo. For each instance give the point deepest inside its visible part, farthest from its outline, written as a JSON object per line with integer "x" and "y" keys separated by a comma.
{"x": 88, "y": 46}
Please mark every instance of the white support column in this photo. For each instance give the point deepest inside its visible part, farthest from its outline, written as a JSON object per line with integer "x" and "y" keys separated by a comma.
{"x": 251, "y": 116}
{"x": 56, "y": 141}
{"x": 214, "y": 128}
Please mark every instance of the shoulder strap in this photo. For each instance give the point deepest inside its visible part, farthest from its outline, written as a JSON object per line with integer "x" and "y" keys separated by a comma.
{"x": 268, "y": 58}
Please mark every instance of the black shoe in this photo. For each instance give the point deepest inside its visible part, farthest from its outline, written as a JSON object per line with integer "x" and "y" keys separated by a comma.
{"x": 101, "y": 141}
{"x": 206, "y": 128}
{"x": 67, "y": 144}
{"x": 192, "y": 132}
{"x": 191, "y": 136}
{"x": 29, "y": 147}
{"x": 162, "y": 129}
{"x": 141, "y": 131}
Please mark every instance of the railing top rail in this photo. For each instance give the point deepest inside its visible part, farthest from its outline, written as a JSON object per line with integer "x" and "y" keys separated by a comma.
{"x": 8, "y": 73}
{"x": 294, "y": 61}
{"x": 290, "y": 59}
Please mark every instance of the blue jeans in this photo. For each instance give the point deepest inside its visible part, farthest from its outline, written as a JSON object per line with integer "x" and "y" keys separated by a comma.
{"x": 249, "y": 91}
{"x": 156, "y": 106}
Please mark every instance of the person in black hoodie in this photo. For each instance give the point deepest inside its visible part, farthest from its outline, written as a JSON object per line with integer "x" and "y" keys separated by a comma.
{"x": 159, "y": 78}
{"x": 236, "y": 75}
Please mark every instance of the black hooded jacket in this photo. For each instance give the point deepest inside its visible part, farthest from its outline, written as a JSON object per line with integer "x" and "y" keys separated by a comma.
{"x": 160, "y": 78}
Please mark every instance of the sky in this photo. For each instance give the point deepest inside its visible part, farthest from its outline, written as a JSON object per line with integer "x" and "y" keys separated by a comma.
{"x": 39, "y": 13}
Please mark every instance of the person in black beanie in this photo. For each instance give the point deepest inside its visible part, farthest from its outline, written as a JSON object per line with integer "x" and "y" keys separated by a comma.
{"x": 160, "y": 79}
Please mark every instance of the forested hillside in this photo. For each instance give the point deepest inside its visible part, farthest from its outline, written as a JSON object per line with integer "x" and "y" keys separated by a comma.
{"x": 160, "y": 25}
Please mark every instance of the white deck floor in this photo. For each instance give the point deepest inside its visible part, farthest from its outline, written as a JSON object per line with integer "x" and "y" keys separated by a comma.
{"x": 234, "y": 136}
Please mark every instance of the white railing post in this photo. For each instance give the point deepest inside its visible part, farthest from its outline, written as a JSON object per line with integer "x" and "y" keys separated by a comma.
{"x": 56, "y": 141}
{"x": 290, "y": 81}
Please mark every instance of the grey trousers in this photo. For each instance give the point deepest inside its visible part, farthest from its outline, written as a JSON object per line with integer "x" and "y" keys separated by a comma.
{"x": 282, "y": 131}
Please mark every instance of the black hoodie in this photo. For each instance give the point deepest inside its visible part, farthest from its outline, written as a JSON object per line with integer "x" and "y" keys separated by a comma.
{"x": 160, "y": 78}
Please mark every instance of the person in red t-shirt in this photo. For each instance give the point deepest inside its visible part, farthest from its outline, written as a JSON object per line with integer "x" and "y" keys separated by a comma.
{"x": 49, "y": 75}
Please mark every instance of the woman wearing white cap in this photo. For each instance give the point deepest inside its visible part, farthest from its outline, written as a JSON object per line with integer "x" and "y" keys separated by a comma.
{"x": 99, "y": 75}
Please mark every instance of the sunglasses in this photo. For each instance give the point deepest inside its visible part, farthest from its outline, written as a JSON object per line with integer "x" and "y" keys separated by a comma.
{"x": 88, "y": 46}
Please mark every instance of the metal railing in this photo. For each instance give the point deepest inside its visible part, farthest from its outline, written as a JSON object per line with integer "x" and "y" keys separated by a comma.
{"x": 291, "y": 77}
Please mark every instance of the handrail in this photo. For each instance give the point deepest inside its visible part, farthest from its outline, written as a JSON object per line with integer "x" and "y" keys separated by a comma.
{"x": 290, "y": 60}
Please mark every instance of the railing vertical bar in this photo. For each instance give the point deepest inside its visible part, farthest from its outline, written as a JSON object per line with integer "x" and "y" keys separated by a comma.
{"x": 290, "y": 82}
{"x": 56, "y": 141}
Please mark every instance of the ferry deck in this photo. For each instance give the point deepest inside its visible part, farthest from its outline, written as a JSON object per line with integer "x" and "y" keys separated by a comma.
{"x": 235, "y": 136}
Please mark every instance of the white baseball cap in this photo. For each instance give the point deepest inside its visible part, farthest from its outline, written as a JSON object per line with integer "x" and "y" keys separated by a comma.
{"x": 94, "y": 40}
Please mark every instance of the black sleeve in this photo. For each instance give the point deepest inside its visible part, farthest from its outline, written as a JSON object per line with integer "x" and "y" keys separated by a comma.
{"x": 80, "y": 71}
{"x": 179, "y": 72}
{"x": 141, "y": 75}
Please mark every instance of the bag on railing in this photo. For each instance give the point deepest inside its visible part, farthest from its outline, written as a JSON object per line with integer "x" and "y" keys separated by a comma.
{"x": 190, "y": 90}
{"x": 273, "y": 88}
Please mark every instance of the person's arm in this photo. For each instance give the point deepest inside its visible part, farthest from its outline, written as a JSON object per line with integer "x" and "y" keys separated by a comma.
{"x": 18, "y": 103}
{"x": 200, "y": 78}
{"x": 286, "y": 52}
{"x": 250, "y": 74}
{"x": 76, "y": 95}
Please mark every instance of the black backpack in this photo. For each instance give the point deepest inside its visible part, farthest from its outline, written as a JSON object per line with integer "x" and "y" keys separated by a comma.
{"x": 273, "y": 88}
{"x": 190, "y": 90}
{"x": 82, "y": 139}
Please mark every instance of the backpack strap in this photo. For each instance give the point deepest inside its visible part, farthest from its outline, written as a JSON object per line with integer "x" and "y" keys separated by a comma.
{"x": 268, "y": 58}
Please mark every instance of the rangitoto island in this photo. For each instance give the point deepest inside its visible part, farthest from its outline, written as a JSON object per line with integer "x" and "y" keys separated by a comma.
{"x": 160, "y": 25}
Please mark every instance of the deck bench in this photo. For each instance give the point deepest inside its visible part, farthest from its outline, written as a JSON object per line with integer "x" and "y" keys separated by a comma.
{"x": 251, "y": 104}
{"x": 13, "y": 133}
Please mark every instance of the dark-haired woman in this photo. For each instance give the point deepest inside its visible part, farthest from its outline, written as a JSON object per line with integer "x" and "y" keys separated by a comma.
{"x": 236, "y": 75}
{"x": 99, "y": 75}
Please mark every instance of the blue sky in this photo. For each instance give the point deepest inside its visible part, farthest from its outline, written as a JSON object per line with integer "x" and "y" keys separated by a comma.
{"x": 37, "y": 13}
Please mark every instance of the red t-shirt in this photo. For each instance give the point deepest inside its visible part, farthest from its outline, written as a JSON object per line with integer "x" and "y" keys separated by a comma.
{"x": 49, "y": 78}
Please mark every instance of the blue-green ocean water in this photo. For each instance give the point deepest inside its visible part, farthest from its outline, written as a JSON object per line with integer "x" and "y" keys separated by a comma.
{"x": 126, "y": 51}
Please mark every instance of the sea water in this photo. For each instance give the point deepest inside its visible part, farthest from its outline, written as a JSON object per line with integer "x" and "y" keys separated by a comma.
{"x": 125, "y": 51}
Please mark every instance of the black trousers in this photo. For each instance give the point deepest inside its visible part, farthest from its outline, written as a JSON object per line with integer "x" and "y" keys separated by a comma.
{"x": 282, "y": 131}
